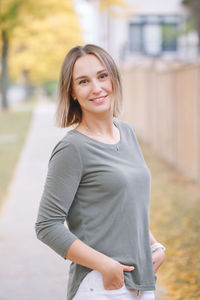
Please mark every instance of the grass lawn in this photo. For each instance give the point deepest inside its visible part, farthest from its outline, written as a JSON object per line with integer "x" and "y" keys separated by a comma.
{"x": 14, "y": 125}
{"x": 175, "y": 222}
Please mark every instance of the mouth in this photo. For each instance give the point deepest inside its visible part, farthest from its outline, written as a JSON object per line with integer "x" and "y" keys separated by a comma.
{"x": 99, "y": 99}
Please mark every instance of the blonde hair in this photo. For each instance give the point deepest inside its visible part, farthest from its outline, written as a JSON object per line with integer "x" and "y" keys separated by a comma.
{"x": 69, "y": 111}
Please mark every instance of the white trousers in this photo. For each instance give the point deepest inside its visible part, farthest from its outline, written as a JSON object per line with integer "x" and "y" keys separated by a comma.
{"x": 91, "y": 288}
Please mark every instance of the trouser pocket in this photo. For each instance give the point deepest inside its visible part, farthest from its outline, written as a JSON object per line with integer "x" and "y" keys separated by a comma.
{"x": 92, "y": 288}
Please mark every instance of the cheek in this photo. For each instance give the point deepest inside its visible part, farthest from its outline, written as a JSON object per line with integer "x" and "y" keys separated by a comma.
{"x": 110, "y": 86}
{"x": 82, "y": 92}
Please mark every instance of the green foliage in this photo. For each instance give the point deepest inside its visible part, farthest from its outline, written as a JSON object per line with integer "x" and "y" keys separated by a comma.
{"x": 190, "y": 2}
{"x": 14, "y": 126}
{"x": 10, "y": 14}
{"x": 50, "y": 88}
{"x": 39, "y": 35}
{"x": 169, "y": 36}
{"x": 190, "y": 25}
{"x": 194, "y": 9}
{"x": 169, "y": 32}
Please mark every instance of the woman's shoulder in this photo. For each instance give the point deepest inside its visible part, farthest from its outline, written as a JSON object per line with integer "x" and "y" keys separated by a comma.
{"x": 69, "y": 145}
{"x": 71, "y": 138}
{"x": 125, "y": 125}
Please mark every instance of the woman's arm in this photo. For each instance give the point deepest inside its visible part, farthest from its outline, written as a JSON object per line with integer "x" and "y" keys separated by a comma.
{"x": 158, "y": 256}
{"x": 63, "y": 179}
{"x": 111, "y": 270}
{"x": 152, "y": 238}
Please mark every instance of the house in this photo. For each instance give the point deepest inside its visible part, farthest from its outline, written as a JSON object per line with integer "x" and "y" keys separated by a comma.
{"x": 151, "y": 27}
{"x": 157, "y": 29}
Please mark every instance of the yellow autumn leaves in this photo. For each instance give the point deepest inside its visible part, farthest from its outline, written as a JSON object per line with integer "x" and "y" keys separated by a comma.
{"x": 40, "y": 33}
{"x": 175, "y": 221}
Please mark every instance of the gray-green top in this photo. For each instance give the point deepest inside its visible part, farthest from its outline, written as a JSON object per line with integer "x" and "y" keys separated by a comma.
{"x": 103, "y": 192}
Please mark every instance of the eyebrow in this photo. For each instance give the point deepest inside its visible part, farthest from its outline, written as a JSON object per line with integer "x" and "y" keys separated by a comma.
{"x": 84, "y": 76}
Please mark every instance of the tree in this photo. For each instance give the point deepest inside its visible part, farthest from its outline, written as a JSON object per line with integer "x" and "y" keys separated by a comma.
{"x": 194, "y": 8}
{"x": 35, "y": 36}
{"x": 104, "y": 4}
{"x": 111, "y": 9}
{"x": 42, "y": 45}
{"x": 21, "y": 22}
{"x": 9, "y": 19}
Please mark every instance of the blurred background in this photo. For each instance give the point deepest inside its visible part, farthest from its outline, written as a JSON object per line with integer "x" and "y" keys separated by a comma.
{"x": 156, "y": 46}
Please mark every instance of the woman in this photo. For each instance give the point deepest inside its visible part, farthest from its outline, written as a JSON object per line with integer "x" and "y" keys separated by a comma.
{"x": 99, "y": 183}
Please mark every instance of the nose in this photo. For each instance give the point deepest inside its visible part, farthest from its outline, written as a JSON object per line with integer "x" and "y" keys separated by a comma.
{"x": 96, "y": 87}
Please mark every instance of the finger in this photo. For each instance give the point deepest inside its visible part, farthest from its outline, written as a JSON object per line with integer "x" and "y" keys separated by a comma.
{"x": 154, "y": 261}
{"x": 156, "y": 266}
{"x": 154, "y": 269}
{"x": 128, "y": 268}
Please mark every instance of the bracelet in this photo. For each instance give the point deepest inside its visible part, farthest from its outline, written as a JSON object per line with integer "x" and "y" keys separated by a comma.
{"x": 156, "y": 246}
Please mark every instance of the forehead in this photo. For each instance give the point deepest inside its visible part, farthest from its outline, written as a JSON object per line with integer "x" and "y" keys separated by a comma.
{"x": 86, "y": 65}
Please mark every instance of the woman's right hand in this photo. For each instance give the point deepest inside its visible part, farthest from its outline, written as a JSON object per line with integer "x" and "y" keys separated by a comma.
{"x": 113, "y": 274}
{"x": 112, "y": 271}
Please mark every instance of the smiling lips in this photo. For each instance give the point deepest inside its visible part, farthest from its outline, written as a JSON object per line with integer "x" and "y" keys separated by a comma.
{"x": 99, "y": 100}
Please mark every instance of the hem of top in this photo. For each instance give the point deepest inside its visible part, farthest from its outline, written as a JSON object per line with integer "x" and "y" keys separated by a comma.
{"x": 145, "y": 287}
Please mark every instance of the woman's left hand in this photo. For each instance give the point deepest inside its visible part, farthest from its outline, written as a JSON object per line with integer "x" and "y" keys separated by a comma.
{"x": 158, "y": 257}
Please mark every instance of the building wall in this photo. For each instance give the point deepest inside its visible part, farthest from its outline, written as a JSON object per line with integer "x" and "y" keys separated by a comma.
{"x": 113, "y": 34}
{"x": 157, "y": 6}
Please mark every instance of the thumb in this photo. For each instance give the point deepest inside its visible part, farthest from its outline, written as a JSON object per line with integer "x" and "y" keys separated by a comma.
{"x": 128, "y": 268}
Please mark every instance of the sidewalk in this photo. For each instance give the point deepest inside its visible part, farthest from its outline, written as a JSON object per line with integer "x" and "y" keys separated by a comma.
{"x": 30, "y": 270}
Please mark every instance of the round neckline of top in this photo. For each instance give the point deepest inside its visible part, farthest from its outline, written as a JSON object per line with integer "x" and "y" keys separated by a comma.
{"x": 99, "y": 142}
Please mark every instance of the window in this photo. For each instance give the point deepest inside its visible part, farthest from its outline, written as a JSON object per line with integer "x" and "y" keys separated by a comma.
{"x": 169, "y": 37}
{"x": 136, "y": 38}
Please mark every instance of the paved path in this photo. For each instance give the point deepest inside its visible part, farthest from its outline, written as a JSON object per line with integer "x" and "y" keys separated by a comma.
{"x": 29, "y": 270}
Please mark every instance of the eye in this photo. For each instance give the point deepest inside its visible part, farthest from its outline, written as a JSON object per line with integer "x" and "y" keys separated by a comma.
{"x": 103, "y": 75}
{"x": 83, "y": 81}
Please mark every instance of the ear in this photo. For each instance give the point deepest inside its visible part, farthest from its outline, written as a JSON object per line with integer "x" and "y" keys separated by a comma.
{"x": 72, "y": 93}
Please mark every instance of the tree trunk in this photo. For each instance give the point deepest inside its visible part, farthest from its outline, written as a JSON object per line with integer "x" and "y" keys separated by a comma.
{"x": 4, "y": 73}
{"x": 194, "y": 8}
{"x": 27, "y": 84}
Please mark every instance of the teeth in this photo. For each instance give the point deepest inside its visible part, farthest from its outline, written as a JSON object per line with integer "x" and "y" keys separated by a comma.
{"x": 99, "y": 99}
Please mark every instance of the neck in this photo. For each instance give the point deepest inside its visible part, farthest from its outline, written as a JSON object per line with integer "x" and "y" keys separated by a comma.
{"x": 102, "y": 125}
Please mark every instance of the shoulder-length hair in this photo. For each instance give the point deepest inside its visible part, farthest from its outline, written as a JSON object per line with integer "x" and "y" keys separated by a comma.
{"x": 69, "y": 111}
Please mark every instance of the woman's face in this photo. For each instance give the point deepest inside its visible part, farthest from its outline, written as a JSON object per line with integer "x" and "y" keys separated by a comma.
{"x": 92, "y": 85}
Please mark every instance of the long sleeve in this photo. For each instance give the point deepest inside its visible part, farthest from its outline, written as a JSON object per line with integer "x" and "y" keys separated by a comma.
{"x": 91, "y": 185}
{"x": 63, "y": 178}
